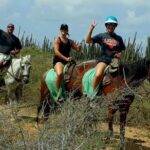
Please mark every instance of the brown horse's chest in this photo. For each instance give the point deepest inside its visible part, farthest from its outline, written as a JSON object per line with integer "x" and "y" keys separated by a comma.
{"x": 114, "y": 85}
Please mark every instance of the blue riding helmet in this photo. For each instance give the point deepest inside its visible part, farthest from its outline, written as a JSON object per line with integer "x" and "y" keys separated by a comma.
{"x": 111, "y": 19}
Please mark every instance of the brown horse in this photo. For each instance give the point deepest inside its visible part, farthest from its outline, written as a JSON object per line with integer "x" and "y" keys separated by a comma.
{"x": 128, "y": 75}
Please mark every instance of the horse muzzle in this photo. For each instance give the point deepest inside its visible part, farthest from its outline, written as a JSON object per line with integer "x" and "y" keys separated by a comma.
{"x": 25, "y": 80}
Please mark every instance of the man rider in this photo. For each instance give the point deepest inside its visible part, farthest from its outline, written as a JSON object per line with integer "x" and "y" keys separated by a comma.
{"x": 9, "y": 44}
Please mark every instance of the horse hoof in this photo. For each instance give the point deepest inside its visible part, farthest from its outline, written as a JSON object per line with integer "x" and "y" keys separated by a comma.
{"x": 107, "y": 140}
{"x": 92, "y": 105}
{"x": 122, "y": 139}
{"x": 111, "y": 133}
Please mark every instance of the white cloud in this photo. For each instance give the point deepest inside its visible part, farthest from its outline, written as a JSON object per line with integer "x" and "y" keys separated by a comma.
{"x": 136, "y": 3}
{"x": 85, "y": 8}
{"x": 133, "y": 18}
{"x": 133, "y": 15}
{"x": 3, "y": 4}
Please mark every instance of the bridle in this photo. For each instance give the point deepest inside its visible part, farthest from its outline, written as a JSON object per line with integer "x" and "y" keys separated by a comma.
{"x": 18, "y": 75}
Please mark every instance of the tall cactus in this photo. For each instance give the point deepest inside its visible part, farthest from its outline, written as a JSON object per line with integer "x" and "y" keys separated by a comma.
{"x": 147, "y": 52}
{"x": 132, "y": 52}
{"x": 47, "y": 45}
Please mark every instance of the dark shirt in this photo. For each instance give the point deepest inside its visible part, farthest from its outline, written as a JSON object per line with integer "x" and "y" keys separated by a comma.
{"x": 110, "y": 43}
{"x": 64, "y": 49}
{"x": 8, "y": 42}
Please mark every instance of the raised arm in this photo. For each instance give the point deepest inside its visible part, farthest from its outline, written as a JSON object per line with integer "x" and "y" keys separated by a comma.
{"x": 89, "y": 35}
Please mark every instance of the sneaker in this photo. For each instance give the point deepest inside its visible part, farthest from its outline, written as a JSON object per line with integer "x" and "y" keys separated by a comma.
{"x": 60, "y": 100}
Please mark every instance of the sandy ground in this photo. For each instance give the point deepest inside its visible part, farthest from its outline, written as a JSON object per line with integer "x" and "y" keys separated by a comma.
{"x": 139, "y": 136}
{"x": 136, "y": 135}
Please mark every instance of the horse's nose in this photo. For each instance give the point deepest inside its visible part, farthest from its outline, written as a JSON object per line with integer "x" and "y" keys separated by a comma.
{"x": 25, "y": 80}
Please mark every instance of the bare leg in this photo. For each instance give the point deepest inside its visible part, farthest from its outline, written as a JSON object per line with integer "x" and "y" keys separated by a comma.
{"x": 99, "y": 72}
{"x": 59, "y": 71}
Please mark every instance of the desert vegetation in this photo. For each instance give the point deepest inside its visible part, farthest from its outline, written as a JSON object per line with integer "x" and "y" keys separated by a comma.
{"x": 75, "y": 125}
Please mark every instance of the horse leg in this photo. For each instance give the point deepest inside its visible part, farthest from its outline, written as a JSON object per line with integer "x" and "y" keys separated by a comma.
{"x": 18, "y": 92}
{"x": 123, "y": 116}
{"x": 111, "y": 112}
{"x": 44, "y": 106}
{"x": 10, "y": 96}
{"x": 44, "y": 109}
{"x": 124, "y": 109}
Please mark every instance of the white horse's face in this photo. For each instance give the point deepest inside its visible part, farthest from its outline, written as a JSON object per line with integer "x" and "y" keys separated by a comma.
{"x": 19, "y": 70}
{"x": 25, "y": 68}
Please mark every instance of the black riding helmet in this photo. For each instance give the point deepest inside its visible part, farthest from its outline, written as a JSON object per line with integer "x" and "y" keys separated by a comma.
{"x": 64, "y": 27}
{"x": 10, "y": 25}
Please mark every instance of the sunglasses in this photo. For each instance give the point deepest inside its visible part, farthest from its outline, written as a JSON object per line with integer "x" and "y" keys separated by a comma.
{"x": 111, "y": 24}
{"x": 10, "y": 27}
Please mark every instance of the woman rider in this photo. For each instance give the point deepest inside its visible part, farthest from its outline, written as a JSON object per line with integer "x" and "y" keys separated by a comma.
{"x": 62, "y": 48}
{"x": 111, "y": 44}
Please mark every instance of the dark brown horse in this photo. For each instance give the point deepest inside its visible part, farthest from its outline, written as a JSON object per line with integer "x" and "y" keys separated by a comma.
{"x": 128, "y": 75}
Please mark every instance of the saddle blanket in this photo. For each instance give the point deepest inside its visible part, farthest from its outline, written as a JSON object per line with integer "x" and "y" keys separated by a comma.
{"x": 51, "y": 84}
{"x": 87, "y": 82}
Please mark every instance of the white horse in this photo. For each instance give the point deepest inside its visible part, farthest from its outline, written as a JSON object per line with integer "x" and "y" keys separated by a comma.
{"x": 16, "y": 76}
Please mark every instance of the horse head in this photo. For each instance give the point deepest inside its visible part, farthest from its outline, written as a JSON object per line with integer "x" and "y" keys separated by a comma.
{"x": 25, "y": 68}
{"x": 19, "y": 70}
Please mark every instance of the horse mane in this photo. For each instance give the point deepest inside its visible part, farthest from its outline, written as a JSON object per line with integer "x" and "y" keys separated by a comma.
{"x": 136, "y": 70}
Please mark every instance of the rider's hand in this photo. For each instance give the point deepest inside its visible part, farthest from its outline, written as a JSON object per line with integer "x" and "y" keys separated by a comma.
{"x": 79, "y": 47}
{"x": 93, "y": 25}
{"x": 118, "y": 55}
{"x": 69, "y": 59}
{"x": 13, "y": 52}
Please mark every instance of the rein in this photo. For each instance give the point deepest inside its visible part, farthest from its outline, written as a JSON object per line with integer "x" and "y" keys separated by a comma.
{"x": 69, "y": 70}
{"x": 145, "y": 67}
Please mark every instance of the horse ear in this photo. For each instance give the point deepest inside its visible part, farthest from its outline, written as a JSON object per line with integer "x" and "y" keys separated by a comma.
{"x": 29, "y": 58}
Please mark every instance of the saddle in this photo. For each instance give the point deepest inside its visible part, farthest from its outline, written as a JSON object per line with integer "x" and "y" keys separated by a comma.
{"x": 68, "y": 70}
{"x": 4, "y": 66}
{"x": 3, "y": 69}
{"x": 110, "y": 71}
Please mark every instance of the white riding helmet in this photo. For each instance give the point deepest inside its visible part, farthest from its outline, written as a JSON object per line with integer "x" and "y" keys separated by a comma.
{"x": 111, "y": 19}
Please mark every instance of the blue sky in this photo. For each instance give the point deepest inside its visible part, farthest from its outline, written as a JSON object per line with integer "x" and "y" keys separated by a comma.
{"x": 43, "y": 17}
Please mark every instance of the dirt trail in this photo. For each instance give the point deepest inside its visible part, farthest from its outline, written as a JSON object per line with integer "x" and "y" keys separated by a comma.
{"x": 139, "y": 136}
{"x": 136, "y": 135}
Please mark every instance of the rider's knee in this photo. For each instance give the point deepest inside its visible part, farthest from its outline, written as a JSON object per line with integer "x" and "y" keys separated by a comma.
{"x": 98, "y": 75}
{"x": 60, "y": 74}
